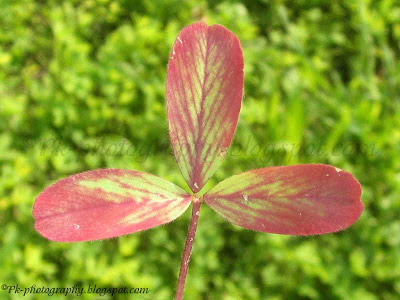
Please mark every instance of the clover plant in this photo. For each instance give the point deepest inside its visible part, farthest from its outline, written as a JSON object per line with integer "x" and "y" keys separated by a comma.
{"x": 204, "y": 95}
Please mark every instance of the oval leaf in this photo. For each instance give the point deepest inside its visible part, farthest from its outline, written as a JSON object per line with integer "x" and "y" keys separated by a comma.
{"x": 296, "y": 200}
{"x": 204, "y": 95}
{"x": 106, "y": 203}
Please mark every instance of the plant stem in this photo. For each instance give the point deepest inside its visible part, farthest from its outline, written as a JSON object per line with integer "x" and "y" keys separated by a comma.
{"x": 188, "y": 247}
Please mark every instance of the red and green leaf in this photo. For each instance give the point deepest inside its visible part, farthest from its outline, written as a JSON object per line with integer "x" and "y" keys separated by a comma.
{"x": 204, "y": 95}
{"x": 106, "y": 203}
{"x": 295, "y": 200}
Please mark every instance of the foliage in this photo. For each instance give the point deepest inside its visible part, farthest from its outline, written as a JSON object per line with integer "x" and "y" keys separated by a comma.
{"x": 81, "y": 81}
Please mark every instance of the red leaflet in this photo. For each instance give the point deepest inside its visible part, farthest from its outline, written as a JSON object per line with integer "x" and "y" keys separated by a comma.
{"x": 296, "y": 200}
{"x": 204, "y": 95}
{"x": 106, "y": 203}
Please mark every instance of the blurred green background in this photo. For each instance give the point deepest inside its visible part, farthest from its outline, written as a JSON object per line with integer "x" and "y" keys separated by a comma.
{"x": 80, "y": 78}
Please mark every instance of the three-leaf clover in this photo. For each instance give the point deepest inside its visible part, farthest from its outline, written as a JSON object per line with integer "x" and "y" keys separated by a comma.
{"x": 204, "y": 95}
